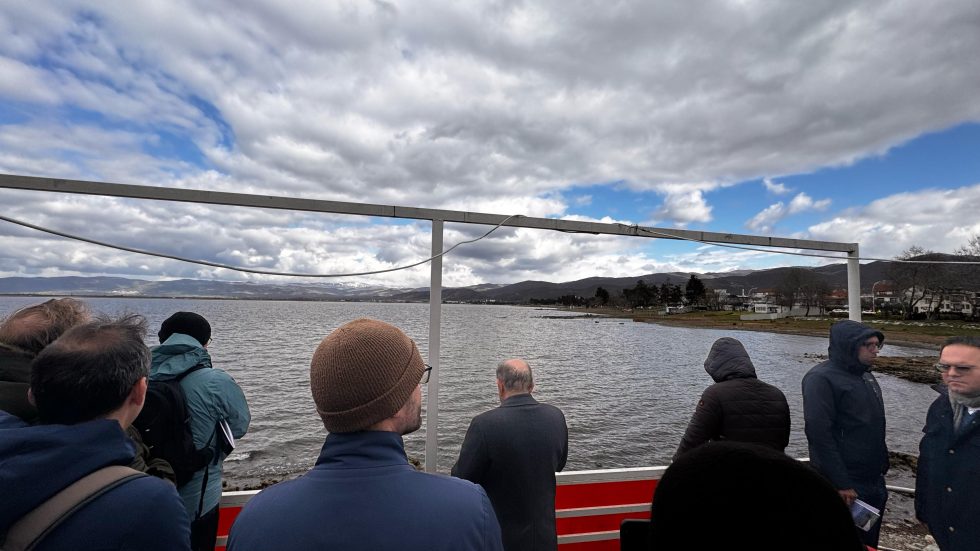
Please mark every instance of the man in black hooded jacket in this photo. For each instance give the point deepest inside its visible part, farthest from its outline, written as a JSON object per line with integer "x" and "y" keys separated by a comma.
{"x": 738, "y": 406}
{"x": 844, "y": 417}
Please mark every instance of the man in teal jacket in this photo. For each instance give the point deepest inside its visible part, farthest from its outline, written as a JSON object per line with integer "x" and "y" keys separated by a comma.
{"x": 212, "y": 397}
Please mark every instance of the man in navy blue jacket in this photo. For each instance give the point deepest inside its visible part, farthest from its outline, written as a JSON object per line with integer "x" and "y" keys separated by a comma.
{"x": 88, "y": 387}
{"x": 844, "y": 417}
{"x": 363, "y": 494}
{"x": 947, "y": 486}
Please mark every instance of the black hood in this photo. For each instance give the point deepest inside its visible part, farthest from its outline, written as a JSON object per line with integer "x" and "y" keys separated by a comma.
{"x": 845, "y": 338}
{"x": 728, "y": 360}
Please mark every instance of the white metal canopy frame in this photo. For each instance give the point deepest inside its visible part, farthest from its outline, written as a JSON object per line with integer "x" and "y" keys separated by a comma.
{"x": 438, "y": 217}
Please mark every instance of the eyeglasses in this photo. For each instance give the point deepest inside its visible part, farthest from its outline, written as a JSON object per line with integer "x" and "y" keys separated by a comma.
{"x": 425, "y": 374}
{"x": 869, "y": 345}
{"x": 964, "y": 369}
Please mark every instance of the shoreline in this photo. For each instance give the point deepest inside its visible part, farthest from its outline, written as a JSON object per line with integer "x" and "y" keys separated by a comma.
{"x": 914, "y": 334}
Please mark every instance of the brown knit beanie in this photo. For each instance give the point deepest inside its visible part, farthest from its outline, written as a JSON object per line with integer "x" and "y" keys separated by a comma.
{"x": 363, "y": 373}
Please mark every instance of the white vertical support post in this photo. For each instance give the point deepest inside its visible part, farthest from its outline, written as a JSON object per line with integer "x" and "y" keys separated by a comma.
{"x": 435, "y": 325}
{"x": 854, "y": 284}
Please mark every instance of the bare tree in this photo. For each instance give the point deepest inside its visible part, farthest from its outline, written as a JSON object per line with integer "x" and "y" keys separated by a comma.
{"x": 789, "y": 288}
{"x": 972, "y": 248}
{"x": 913, "y": 280}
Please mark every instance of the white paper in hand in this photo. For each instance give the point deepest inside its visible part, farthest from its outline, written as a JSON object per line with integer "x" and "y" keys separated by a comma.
{"x": 229, "y": 438}
{"x": 865, "y": 516}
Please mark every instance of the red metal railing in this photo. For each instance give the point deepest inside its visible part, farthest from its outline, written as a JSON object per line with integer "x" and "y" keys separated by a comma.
{"x": 589, "y": 506}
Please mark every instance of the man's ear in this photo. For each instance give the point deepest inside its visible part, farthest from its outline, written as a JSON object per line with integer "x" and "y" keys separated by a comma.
{"x": 138, "y": 393}
{"x": 30, "y": 397}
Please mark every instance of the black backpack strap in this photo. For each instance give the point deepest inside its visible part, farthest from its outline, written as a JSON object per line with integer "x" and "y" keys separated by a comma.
{"x": 207, "y": 471}
{"x": 27, "y": 532}
{"x": 189, "y": 371}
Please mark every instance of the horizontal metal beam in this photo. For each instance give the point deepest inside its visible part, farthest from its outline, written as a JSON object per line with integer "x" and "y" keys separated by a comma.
{"x": 58, "y": 185}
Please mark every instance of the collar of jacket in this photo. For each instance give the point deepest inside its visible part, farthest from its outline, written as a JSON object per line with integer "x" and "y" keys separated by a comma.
{"x": 176, "y": 355}
{"x": 357, "y": 450}
{"x": 518, "y": 400}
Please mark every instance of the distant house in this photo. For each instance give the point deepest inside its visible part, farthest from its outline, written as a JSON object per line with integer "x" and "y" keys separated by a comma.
{"x": 957, "y": 302}
{"x": 767, "y": 308}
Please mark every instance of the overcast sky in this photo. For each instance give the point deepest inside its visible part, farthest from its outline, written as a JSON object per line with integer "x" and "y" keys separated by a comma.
{"x": 826, "y": 120}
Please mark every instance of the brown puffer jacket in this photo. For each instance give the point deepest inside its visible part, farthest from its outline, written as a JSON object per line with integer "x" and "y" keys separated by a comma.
{"x": 738, "y": 406}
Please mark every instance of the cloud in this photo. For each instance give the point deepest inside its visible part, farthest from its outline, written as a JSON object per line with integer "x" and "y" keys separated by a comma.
{"x": 485, "y": 106}
{"x": 803, "y": 202}
{"x": 386, "y": 100}
{"x": 775, "y": 188}
{"x": 768, "y": 217}
{"x": 935, "y": 219}
{"x": 683, "y": 205}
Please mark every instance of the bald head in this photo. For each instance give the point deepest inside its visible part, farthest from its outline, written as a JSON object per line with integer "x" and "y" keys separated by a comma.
{"x": 514, "y": 377}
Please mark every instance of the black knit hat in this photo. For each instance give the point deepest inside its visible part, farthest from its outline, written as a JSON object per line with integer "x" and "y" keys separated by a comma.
{"x": 187, "y": 323}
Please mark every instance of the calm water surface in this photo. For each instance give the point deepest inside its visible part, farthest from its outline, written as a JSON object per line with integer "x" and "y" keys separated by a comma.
{"x": 627, "y": 389}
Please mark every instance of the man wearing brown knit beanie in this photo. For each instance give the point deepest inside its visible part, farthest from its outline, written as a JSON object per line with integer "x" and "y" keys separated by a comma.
{"x": 363, "y": 494}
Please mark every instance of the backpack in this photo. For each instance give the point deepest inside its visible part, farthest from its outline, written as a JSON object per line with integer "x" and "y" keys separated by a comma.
{"x": 165, "y": 426}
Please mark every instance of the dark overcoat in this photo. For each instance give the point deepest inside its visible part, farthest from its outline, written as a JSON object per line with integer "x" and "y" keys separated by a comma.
{"x": 947, "y": 484}
{"x": 513, "y": 451}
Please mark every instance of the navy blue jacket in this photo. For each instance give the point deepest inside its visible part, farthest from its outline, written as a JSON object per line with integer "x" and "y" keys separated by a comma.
{"x": 844, "y": 413}
{"x": 513, "y": 451}
{"x": 363, "y": 495}
{"x": 37, "y": 462}
{"x": 947, "y": 484}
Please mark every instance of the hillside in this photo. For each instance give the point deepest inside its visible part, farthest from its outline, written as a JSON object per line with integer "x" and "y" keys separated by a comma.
{"x": 834, "y": 275}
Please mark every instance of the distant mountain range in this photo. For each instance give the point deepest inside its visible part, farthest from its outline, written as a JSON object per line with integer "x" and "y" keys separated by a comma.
{"x": 835, "y": 275}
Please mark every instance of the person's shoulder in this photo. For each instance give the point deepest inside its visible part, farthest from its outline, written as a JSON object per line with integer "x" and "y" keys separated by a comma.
{"x": 148, "y": 497}
{"x": 546, "y": 407}
{"x": 218, "y": 379}
{"x": 822, "y": 370}
{"x": 768, "y": 387}
{"x": 440, "y": 484}
{"x": 146, "y": 488}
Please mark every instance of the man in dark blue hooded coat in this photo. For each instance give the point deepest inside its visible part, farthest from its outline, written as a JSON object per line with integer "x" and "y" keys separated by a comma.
{"x": 845, "y": 418}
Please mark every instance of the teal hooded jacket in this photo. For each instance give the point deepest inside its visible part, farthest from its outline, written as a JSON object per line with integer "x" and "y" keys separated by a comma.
{"x": 212, "y": 395}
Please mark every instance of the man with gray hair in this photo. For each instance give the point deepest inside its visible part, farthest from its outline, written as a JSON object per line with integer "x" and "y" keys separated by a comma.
{"x": 22, "y": 336}
{"x": 513, "y": 451}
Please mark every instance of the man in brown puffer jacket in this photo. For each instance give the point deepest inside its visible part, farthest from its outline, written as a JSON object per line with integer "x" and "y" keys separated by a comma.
{"x": 738, "y": 406}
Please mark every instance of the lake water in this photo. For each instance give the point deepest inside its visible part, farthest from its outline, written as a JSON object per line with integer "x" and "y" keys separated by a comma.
{"x": 627, "y": 389}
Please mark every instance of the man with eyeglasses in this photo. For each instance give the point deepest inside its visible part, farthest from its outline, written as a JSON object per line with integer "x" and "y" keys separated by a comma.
{"x": 844, "y": 417}
{"x": 947, "y": 484}
{"x": 362, "y": 494}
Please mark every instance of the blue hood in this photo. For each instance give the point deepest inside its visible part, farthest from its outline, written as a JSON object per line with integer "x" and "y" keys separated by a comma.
{"x": 845, "y": 338}
{"x": 176, "y": 355}
{"x": 38, "y": 461}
